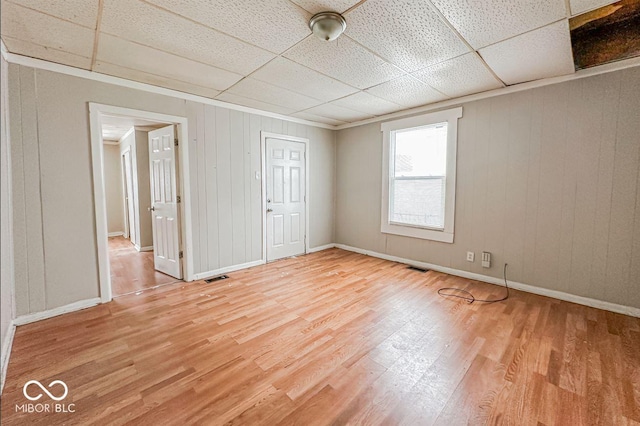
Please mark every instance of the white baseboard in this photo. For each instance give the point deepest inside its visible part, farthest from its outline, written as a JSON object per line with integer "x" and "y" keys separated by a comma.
{"x": 147, "y": 248}
{"x": 6, "y": 353}
{"x": 320, "y": 248}
{"x": 116, "y": 234}
{"x": 216, "y": 272}
{"x": 581, "y": 300}
{"x": 71, "y": 307}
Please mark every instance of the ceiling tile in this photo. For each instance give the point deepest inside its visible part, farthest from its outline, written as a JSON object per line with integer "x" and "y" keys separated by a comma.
{"x": 156, "y": 80}
{"x": 37, "y": 28}
{"x": 285, "y": 73}
{"x": 545, "y": 52}
{"x": 114, "y": 132}
{"x": 344, "y": 60}
{"x": 407, "y": 91}
{"x": 580, "y": 6}
{"x": 407, "y": 33}
{"x": 484, "y": 22}
{"x": 81, "y": 12}
{"x": 252, "y": 103}
{"x": 312, "y": 117}
{"x": 131, "y": 55}
{"x": 317, "y": 6}
{"x": 337, "y": 113}
{"x": 48, "y": 54}
{"x": 459, "y": 76}
{"x": 265, "y": 92}
{"x": 115, "y": 127}
{"x": 128, "y": 122}
{"x": 363, "y": 101}
{"x": 151, "y": 26}
{"x": 274, "y": 25}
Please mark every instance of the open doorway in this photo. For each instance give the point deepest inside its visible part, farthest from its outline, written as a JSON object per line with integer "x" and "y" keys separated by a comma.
{"x": 137, "y": 201}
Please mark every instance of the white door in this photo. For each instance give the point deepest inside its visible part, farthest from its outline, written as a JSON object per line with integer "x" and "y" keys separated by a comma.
{"x": 128, "y": 197}
{"x": 286, "y": 198}
{"x": 164, "y": 202}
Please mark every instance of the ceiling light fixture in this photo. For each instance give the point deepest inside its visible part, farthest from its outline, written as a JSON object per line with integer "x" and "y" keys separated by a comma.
{"x": 327, "y": 25}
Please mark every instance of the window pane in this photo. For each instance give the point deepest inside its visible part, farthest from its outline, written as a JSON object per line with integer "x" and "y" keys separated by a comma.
{"x": 418, "y": 202}
{"x": 418, "y": 185}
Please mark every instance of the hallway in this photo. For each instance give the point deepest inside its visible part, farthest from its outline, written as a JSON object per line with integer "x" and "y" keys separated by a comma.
{"x": 131, "y": 270}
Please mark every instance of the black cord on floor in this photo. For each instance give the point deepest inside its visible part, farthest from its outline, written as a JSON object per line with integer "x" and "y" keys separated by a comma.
{"x": 469, "y": 297}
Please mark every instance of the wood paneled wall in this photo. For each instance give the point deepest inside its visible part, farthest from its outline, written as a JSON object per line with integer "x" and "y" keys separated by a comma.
{"x": 54, "y": 222}
{"x": 226, "y": 194}
{"x": 6, "y": 232}
{"x": 547, "y": 180}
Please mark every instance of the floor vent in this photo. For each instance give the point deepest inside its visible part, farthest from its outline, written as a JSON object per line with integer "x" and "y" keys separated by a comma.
{"x": 221, "y": 277}
{"x": 415, "y": 268}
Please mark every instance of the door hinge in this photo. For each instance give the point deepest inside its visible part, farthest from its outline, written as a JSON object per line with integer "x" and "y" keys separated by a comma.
{"x": 175, "y": 141}
{"x": 181, "y": 255}
{"x": 178, "y": 199}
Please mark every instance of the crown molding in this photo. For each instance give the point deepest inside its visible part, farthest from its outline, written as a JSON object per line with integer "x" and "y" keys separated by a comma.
{"x": 3, "y": 50}
{"x": 118, "y": 81}
{"x": 589, "y": 72}
{"x": 123, "y": 82}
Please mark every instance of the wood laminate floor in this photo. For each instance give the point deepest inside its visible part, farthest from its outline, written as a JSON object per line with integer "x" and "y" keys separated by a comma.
{"x": 331, "y": 338}
{"x": 132, "y": 270}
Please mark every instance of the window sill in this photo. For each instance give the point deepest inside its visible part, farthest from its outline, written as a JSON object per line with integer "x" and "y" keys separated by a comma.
{"x": 421, "y": 233}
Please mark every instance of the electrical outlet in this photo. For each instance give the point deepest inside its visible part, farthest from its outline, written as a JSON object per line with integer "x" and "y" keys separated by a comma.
{"x": 486, "y": 259}
{"x": 471, "y": 256}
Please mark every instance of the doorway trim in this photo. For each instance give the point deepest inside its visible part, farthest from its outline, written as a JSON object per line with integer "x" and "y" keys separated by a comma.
{"x": 100, "y": 205}
{"x": 263, "y": 154}
{"x": 125, "y": 211}
{"x": 131, "y": 236}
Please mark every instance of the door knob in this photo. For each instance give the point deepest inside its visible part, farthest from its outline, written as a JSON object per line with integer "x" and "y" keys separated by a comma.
{"x": 269, "y": 210}
{"x": 151, "y": 209}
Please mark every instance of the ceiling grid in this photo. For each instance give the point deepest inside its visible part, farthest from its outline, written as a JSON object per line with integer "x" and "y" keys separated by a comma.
{"x": 394, "y": 55}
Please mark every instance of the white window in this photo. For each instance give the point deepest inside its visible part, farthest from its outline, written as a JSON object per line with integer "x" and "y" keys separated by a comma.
{"x": 419, "y": 175}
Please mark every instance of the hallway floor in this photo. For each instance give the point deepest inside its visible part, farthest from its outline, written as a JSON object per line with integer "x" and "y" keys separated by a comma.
{"x": 131, "y": 270}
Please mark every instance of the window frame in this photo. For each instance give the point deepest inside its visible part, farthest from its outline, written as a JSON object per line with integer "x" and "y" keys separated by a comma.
{"x": 446, "y": 234}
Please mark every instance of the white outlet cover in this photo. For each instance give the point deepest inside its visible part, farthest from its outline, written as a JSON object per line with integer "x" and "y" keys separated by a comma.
{"x": 471, "y": 256}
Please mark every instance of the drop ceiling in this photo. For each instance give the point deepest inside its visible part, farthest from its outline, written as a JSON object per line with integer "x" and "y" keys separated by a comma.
{"x": 394, "y": 55}
{"x": 115, "y": 127}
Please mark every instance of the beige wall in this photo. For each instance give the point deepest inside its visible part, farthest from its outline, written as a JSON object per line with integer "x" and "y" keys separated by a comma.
{"x": 547, "y": 180}
{"x": 6, "y": 235}
{"x": 113, "y": 188}
{"x": 144, "y": 188}
{"x": 224, "y": 163}
{"x": 53, "y": 208}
